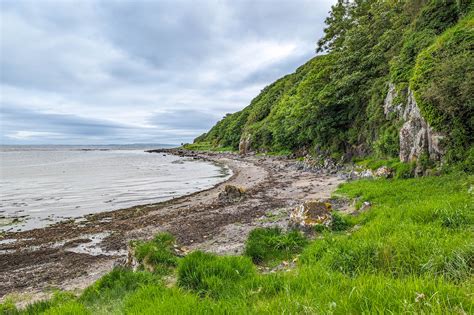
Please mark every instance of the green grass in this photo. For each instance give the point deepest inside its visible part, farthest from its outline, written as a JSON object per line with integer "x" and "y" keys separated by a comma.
{"x": 413, "y": 252}
{"x": 271, "y": 245}
{"x": 156, "y": 254}
{"x": 211, "y": 275}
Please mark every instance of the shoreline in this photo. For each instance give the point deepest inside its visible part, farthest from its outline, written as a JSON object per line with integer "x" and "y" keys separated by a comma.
{"x": 72, "y": 255}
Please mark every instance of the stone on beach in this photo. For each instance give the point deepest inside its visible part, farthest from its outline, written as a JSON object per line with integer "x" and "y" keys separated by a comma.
{"x": 231, "y": 193}
{"x": 310, "y": 214}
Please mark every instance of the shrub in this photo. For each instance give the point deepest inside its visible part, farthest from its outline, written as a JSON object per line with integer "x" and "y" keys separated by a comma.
{"x": 271, "y": 244}
{"x": 158, "y": 252}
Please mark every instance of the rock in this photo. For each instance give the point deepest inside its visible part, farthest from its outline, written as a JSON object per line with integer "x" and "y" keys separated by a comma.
{"x": 389, "y": 106}
{"x": 365, "y": 206}
{"x": 121, "y": 262}
{"x": 131, "y": 261}
{"x": 416, "y": 136}
{"x": 231, "y": 193}
{"x": 366, "y": 174}
{"x": 310, "y": 214}
{"x": 244, "y": 144}
{"x": 384, "y": 172}
{"x": 319, "y": 164}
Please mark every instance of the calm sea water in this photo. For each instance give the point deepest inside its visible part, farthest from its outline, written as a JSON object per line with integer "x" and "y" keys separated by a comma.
{"x": 41, "y": 185}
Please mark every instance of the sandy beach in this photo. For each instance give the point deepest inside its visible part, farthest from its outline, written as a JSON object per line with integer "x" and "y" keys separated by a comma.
{"x": 73, "y": 254}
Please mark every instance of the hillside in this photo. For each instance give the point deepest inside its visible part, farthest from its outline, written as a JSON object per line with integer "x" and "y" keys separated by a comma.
{"x": 395, "y": 80}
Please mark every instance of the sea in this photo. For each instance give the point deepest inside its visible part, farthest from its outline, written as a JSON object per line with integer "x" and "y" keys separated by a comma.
{"x": 42, "y": 185}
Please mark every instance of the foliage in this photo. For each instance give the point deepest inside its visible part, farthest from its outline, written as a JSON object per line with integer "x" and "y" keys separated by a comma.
{"x": 206, "y": 146}
{"x": 267, "y": 245}
{"x": 443, "y": 85}
{"x": 333, "y": 103}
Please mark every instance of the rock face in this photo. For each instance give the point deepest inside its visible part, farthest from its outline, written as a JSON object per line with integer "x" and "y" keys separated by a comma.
{"x": 244, "y": 144}
{"x": 311, "y": 213}
{"x": 416, "y": 136}
{"x": 389, "y": 105}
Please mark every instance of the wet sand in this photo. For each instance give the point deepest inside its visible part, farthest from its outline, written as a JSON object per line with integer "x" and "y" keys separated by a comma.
{"x": 71, "y": 255}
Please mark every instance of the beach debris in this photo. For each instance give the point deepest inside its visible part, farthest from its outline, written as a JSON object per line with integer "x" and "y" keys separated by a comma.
{"x": 311, "y": 213}
{"x": 231, "y": 193}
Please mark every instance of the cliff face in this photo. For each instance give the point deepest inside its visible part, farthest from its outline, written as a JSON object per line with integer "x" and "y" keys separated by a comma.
{"x": 416, "y": 136}
{"x": 399, "y": 84}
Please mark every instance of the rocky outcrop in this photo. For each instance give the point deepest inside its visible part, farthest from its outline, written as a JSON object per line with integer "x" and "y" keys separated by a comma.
{"x": 310, "y": 214}
{"x": 244, "y": 144}
{"x": 416, "y": 136}
{"x": 390, "y": 105}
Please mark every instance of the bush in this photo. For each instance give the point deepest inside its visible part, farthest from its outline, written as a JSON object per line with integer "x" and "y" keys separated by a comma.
{"x": 214, "y": 276}
{"x": 158, "y": 252}
{"x": 266, "y": 245}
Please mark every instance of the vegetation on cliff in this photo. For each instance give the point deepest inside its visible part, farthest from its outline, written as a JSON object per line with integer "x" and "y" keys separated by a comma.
{"x": 333, "y": 104}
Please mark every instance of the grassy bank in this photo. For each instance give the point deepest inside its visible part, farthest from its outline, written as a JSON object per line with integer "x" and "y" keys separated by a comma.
{"x": 412, "y": 251}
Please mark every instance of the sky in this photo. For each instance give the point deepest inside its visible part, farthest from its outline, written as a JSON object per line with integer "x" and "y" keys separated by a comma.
{"x": 115, "y": 72}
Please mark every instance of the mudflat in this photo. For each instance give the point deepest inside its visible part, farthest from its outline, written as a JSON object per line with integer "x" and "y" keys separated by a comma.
{"x": 73, "y": 254}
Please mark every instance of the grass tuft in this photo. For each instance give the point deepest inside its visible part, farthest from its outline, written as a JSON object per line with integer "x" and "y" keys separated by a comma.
{"x": 270, "y": 245}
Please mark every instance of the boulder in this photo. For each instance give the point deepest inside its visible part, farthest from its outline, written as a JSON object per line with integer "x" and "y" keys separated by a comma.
{"x": 366, "y": 174}
{"x": 384, "y": 172}
{"x": 231, "y": 193}
{"x": 310, "y": 214}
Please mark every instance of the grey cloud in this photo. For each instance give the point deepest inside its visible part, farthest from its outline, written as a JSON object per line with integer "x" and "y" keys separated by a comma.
{"x": 175, "y": 66}
{"x": 189, "y": 119}
{"x": 15, "y": 118}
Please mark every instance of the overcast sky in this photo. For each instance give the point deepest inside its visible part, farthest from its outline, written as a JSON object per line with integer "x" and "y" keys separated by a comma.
{"x": 99, "y": 72}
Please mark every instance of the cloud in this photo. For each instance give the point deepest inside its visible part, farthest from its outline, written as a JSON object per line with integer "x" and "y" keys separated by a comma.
{"x": 186, "y": 119}
{"x": 130, "y": 71}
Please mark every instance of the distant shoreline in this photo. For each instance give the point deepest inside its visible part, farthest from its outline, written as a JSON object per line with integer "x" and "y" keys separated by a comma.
{"x": 45, "y": 185}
